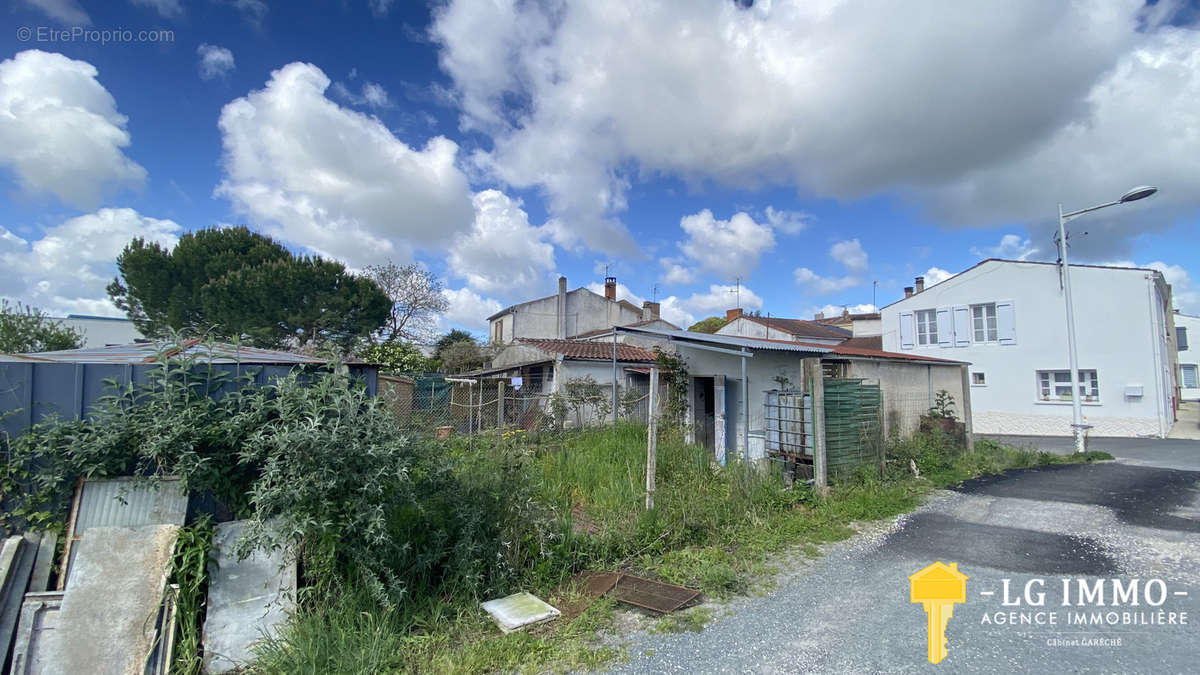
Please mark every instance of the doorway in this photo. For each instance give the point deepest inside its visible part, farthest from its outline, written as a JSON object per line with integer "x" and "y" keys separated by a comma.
{"x": 703, "y": 402}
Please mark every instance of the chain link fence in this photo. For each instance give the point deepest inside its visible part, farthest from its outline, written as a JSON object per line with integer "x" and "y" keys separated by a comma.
{"x": 439, "y": 405}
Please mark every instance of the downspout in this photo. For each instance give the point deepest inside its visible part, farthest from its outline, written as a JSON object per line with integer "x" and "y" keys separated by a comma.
{"x": 1155, "y": 338}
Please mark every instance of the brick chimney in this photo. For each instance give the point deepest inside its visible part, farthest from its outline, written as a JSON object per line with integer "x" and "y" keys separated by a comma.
{"x": 731, "y": 314}
{"x": 650, "y": 311}
{"x": 908, "y": 291}
{"x": 920, "y": 284}
{"x": 610, "y": 288}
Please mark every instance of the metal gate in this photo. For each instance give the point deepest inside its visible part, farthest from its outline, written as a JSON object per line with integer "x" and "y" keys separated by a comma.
{"x": 787, "y": 425}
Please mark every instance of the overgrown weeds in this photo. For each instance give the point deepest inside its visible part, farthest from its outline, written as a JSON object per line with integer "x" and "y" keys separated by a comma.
{"x": 189, "y": 570}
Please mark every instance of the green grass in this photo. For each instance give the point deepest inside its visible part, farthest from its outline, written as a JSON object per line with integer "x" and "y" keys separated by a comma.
{"x": 719, "y": 530}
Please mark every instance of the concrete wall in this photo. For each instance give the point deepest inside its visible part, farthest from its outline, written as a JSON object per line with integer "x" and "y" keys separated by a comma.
{"x": 1121, "y": 333}
{"x": 909, "y": 389}
{"x": 866, "y": 327}
{"x": 1191, "y": 355}
{"x": 743, "y": 327}
{"x": 103, "y": 331}
{"x": 586, "y": 311}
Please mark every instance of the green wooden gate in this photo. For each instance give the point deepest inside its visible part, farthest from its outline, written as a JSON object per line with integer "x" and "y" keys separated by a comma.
{"x": 853, "y": 426}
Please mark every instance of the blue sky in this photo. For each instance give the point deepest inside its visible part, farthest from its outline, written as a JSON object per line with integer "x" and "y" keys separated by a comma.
{"x": 801, "y": 150}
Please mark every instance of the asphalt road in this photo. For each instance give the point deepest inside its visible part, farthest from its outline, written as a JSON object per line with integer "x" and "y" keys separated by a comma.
{"x": 849, "y": 611}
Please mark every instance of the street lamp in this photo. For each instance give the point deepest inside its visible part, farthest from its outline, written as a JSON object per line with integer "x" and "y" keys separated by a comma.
{"x": 1140, "y": 192}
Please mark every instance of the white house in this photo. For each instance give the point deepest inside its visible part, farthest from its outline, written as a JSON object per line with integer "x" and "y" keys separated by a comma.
{"x": 1187, "y": 333}
{"x": 1007, "y": 319}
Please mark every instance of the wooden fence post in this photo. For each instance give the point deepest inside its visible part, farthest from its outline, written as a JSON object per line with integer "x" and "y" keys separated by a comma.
{"x": 815, "y": 380}
{"x": 652, "y": 438}
{"x": 500, "y": 409}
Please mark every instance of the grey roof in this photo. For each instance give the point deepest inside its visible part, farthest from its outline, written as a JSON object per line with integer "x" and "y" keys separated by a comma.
{"x": 727, "y": 341}
{"x": 145, "y": 352}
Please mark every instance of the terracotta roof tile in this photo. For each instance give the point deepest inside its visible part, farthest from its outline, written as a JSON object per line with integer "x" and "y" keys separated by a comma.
{"x": 584, "y": 349}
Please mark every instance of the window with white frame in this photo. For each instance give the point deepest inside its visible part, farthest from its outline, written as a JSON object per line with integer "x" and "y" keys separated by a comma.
{"x": 978, "y": 378}
{"x": 1189, "y": 373}
{"x": 927, "y": 327}
{"x": 1056, "y": 385}
{"x": 983, "y": 320}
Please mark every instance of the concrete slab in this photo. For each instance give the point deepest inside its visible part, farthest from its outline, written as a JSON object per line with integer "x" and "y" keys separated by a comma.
{"x": 40, "y": 581}
{"x": 519, "y": 610}
{"x": 39, "y": 617}
{"x": 126, "y": 502}
{"x": 107, "y": 623}
{"x": 247, "y": 599}
{"x": 16, "y": 565}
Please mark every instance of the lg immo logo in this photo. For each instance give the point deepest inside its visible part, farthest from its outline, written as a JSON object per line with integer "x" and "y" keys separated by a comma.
{"x": 938, "y": 587}
{"x": 1099, "y": 604}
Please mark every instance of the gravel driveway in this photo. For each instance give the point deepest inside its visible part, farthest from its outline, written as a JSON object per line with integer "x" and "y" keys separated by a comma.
{"x": 849, "y": 611}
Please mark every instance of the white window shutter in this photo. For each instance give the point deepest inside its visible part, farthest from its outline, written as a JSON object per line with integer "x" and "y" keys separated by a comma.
{"x": 906, "y": 330}
{"x": 945, "y": 327}
{"x": 962, "y": 326}
{"x": 1006, "y": 322}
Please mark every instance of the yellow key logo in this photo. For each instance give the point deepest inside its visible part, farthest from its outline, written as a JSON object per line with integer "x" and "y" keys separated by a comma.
{"x": 938, "y": 587}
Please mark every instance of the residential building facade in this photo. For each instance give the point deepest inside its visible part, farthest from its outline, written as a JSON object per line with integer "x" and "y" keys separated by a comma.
{"x": 101, "y": 331}
{"x": 1007, "y": 319}
{"x": 567, "y": 314}
{"x": 1187, "y": 332}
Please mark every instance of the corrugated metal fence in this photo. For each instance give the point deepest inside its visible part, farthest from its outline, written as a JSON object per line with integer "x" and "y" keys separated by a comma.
{"x": 29, "y": 392}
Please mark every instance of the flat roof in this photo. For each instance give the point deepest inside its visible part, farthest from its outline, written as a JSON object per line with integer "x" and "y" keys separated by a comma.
{"x": 727, "y": 341}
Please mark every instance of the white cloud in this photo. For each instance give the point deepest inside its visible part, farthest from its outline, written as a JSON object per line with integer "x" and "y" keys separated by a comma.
{"x": 68, "y": 12}
{"x": 253, "y": 11}
{"x": 823, "y": 285}
{"x": 333, "y": 180}
{"x": 674, "y": 272}
{"x": 168, "y": 9}
{"x": 68, "y": 268}
{"x": 936, "y": 275}
{"x": 214, "y": 61}
{"x": 380, "y": 8}
{"x": 671, "y": 309}
{"x": 1011, "y": 247}
{"x": 60, "y": 132}
{"x": 502, "y": 254}
{"x": 789, "y": 222}
{"x": 1138, "y": 124}
{"x": 721, "y": 297}
{"x": 727, "y": 248}
{"x": 1183, "y": 292}
{"x": 372, "y": 95}
{"x": 571, "y": 95}
{"x": 851, "y": 255}
{"x": 468, "y": 309}
{"x": 836, "y": 310}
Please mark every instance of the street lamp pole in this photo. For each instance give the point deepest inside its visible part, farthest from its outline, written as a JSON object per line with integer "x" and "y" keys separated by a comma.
{"x": 1133, "y": 195}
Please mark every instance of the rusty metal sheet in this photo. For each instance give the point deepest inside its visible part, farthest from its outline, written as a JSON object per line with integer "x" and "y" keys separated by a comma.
{"x": 652, "y": 595}
{"x": 596, "y": 583}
